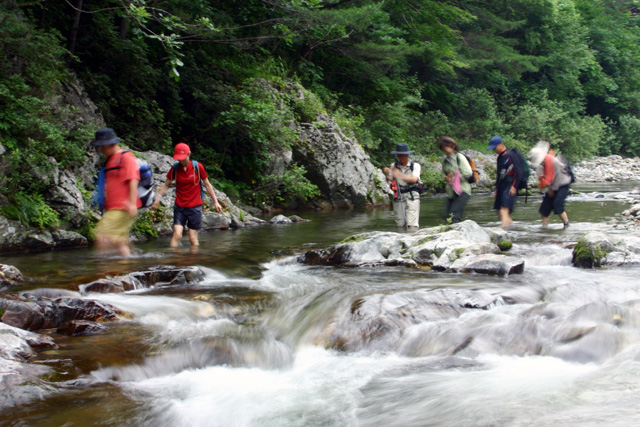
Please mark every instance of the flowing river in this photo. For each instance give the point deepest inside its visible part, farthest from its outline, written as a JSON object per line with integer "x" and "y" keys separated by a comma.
{"x": 265, "y": 341}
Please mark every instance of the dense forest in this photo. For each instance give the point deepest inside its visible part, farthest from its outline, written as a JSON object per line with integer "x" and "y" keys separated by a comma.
{"x": 221, "y": 75}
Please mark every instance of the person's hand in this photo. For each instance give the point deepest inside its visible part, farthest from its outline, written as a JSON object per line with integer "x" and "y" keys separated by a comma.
{"x": 551, "y": 193}
{"x": 132, "y": 210}
{"x": 155, "y": 204}
{"x": 218, "y": 207}
{"x": 512, "y": 191}
{"x": 387, "y": 173}
{"x": 449, "y": 177}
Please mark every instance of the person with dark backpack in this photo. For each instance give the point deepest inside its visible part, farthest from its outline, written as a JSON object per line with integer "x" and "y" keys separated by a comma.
{"x": 457, "y": 171}
{"x": 553, "y": 175}
{"x": 190, "y": 178}
{"x": 511, "y": 175}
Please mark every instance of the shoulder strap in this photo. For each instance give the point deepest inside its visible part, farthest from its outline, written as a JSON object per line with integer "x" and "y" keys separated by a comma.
{"x": 118, "y": 166}
{"x": 197, "y": 169}
{"x": 175, "y": 170}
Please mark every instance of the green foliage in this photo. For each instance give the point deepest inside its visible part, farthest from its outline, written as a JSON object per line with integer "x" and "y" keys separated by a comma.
{"x": 143, "y": 225}
{"x": 31, "y": 210}
{"x": 32, "y": 123}
{"x": 629, "y": 135}
{"x": 293, "y": 185}
{"x": 232, "y": 78}
{"x": 433, "y": 180}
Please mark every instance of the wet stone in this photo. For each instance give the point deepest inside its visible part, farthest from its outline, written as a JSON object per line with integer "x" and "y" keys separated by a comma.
{"x": 75, "y": 328}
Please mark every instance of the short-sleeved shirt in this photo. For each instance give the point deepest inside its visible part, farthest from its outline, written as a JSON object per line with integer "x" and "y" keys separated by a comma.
{"x": 188, "y": 185}
{"x": 120, "y": 169}
{"x": 407, "y": 171}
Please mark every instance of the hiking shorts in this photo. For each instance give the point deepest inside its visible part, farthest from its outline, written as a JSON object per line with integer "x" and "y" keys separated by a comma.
{"x": 504, "y": 199}
{"x": 116, "y": 224}
{"x": 188, "y": 217}
{"x": 555, "y": 203}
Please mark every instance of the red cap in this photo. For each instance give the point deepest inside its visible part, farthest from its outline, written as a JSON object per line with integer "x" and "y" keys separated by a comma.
{"x": 181, "y": 151}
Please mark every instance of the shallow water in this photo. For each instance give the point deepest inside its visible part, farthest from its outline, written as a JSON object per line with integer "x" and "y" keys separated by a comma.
{"x": 265, "y": 341}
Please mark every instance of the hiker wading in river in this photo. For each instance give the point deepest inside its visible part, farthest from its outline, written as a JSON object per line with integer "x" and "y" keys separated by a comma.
{"x": 404, "y": 176}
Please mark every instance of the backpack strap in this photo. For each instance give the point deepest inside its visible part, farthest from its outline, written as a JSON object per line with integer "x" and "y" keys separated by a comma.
{"x": 121, "y": 153}
{"x": 196, "y": 168}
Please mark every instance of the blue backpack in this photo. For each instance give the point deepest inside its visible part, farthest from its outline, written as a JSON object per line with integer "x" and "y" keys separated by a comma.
{"x": 197, "y": 169}
{"x": 145, "y": 186}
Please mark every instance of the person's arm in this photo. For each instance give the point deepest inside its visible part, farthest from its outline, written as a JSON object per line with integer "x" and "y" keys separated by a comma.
{"x": 132, "y": 203}
{"x": 161, "y": 192}
{"x": 409, "y": 179}
{"x": 212, "y": 194}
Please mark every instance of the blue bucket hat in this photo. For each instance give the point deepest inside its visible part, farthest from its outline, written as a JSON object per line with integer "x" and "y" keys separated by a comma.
{"x": 494, "y": 142}
{"x": 402, "y": 148}
{"x": 105, "y": 136}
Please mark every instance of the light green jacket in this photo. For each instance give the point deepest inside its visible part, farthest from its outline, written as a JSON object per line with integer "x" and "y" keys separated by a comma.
{"x": 450, "y": 165}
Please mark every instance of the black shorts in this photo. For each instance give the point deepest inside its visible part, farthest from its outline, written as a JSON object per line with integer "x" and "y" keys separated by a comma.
{"x": 555, "y": 203}
{"x": 504, "y": 199}
{"x": 189, "y": 217}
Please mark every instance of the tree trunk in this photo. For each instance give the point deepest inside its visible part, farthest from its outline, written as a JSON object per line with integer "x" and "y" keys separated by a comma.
{"x": 76, "y": 24}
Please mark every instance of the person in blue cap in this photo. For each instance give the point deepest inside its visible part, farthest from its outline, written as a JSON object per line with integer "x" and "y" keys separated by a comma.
{"x": 505, "y": 192}
{"x": 404, "y": 175}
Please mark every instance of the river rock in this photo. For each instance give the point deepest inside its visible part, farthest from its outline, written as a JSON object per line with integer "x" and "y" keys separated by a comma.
{"x": 10, "y": 276}
{"x": 18, "y": 344}
{"x": 597, "y": 249}
{"x": 44, "y": 313}
{"x": 155, "y": 277}
{"x": 280, "y": 219}
{"x": 381, "y": 321}
{"x": 14, "y": 237}
{"x": 76, "y": 328}
{"x": 16, "y": 347}
{"x": 462, "y": 247}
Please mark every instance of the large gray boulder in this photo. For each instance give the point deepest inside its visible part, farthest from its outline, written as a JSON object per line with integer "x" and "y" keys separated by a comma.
{"x": 463, "y": 247}
{"x": 338, "y": 166}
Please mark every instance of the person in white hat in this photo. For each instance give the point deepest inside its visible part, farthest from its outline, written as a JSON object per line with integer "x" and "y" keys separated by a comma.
{"x": 553, "y": 175}
{"x": 404, "y": 174}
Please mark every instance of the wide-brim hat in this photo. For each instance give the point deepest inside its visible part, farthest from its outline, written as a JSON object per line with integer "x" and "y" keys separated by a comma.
{"x": 494, "y": 142}
{"x": 402, "y": 148}
{"x": 538, "y": 153}
{"x": 105, "y": 136}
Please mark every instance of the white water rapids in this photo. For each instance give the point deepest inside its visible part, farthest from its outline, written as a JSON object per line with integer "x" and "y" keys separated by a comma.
{"x": 384, "y": 346}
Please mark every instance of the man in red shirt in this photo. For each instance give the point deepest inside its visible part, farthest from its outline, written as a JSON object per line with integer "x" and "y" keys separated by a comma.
{"x": 187, "y": 210}
{"x": 121, "y": 193}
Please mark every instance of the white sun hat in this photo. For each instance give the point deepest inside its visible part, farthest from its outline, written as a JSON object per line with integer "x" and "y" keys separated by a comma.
{"x": 537, "y": 153}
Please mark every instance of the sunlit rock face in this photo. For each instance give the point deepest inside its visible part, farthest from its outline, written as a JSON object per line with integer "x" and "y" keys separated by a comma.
{"x": 465, "y": 247}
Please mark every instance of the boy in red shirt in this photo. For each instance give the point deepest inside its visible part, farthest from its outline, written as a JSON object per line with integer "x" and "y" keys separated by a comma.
{"x": 121, "y": 193}
{"x": 187, "y": 210}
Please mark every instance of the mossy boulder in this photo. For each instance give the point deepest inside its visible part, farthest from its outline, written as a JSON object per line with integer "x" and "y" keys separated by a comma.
{"x": 591, "y": 250}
